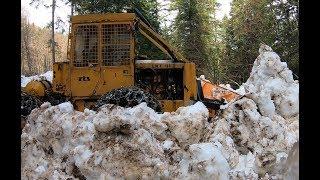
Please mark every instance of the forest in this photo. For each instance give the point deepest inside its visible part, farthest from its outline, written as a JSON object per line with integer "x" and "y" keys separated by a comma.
{"x": 222, "y": 49}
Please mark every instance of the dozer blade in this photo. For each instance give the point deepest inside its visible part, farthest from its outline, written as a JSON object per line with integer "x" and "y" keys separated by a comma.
{"x": 213, "y": 95}
{"x": 216, "y": 92}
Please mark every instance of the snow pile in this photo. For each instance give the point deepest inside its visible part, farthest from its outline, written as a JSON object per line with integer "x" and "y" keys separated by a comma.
{"x": 250, "y": 140}
{"x": 256, "y": 132}
{"x": 187, "y": 130}
{"x": 46, "y": 76}
{"x": 241, "y": 91}
{"x": 272, "y": 86}
{"x": 113, "y": 142}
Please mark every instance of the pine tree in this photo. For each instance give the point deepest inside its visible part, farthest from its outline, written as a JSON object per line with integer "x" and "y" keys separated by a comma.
{"x": 273, "y": 22}
{"x": 193, "y": 32}
{"x": 287, "y": 32}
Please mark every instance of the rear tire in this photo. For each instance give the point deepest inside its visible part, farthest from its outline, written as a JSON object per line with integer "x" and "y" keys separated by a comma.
{"x": 54, "y": 98}
{"x": 129, "y": 97}
{"x": 28, "y": 103}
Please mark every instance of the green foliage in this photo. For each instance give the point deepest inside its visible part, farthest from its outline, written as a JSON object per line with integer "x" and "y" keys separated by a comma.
{"x": 273, "y": 22}
{"x": 194, "y": 33}
{"x": 287, "y": 32}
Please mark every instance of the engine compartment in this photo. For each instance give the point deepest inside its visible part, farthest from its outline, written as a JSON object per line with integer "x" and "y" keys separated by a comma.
{"x": 164, "y": 84}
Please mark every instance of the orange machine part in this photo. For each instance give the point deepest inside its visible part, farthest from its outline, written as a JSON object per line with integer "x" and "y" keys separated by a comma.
{"x": 215, "y": 92}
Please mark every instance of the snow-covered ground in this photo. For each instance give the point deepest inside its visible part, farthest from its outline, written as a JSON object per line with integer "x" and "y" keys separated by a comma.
{"x": 252, "y": 139}
{"x": 46, "y": 76}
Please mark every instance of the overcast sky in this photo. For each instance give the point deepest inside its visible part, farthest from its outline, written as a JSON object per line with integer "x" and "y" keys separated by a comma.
{"x": 42, "y": 16}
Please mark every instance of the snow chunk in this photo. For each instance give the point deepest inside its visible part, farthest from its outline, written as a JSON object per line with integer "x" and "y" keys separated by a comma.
{"x": 48, "y": 76}
{"x": 66, "y": 107}
{"x": 45, "y": 105}
{"x": 196, "y": 109}
{"x": 187, "y": 124}
{"x": 208, "y": 161}
{"x": 167, "y": 144}
{"x": 245, "y": 168}
{"x": 241, "y": 90}
{"x": 81, "y": 155}
{"x": 40, "y": 169}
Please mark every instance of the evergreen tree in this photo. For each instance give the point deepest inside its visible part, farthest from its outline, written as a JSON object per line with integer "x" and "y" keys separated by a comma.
{"x": 287, "y": 32}
{"x": 273, "y": 22}
{"x": 193, "y": 32}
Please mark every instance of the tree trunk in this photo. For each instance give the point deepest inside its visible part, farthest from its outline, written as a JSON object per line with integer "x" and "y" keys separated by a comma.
{"x": 52, "y": 32}
{"x": 72, "y": 8}
{"x": 26, "y": 42}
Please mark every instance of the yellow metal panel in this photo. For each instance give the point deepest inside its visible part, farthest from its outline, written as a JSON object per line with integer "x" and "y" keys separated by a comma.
{"x": 60, "y": 77}
{"x": 89, "y": 18}
{"x": 171, "y": 105}
{"x": 87, "y": 82}
{"x": 35, "y": 88}
{"x": 115, "y": 77}
{"x": 189, "y": 81}
{"x": 84, "y": 81}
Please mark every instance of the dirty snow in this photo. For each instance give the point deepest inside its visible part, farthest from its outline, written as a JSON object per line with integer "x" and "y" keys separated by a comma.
{"x": 65, "y": 107}
{"x": 251, "y": 139}
{"x": 46, "y": 76}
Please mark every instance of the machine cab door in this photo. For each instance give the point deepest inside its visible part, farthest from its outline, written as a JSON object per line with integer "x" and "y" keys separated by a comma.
{"x": 85, "y": 72}
{"x": 117, "y": 55}
{"x": 102, "y": 58}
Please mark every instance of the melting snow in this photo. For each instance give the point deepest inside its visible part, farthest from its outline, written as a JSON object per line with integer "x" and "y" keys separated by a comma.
{"x": 66, "y": 107}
